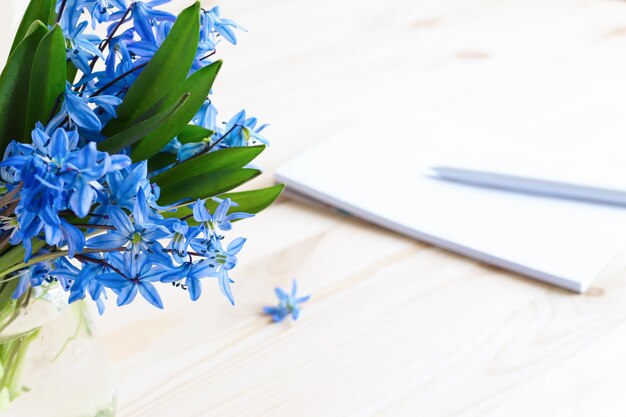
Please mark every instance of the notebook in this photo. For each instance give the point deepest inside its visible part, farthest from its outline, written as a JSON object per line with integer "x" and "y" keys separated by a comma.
{"x": 384, "y": 177}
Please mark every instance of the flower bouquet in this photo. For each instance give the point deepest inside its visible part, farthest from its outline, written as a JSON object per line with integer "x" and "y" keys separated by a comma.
{"x": 116, "y": 175}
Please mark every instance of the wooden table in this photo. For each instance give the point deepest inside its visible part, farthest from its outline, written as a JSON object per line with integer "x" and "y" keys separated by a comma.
{"x": 395, "y": 327}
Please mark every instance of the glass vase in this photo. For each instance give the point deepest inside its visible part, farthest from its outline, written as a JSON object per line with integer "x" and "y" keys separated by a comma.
{"x": 51, "y": 364}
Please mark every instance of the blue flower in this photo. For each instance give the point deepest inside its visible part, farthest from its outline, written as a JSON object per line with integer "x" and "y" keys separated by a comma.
{"x": 55, "y": 176}
{"x": 137, "y": 275}
{"x": 34, "y": 276}
{"x": 146, "y": 17}
{"x": 213, "y": 22}
{"x": 122, "y": 187}
{"x": 197, "y": 271}
{"x": 101, "y": 10}
{"x": 220, "y": 219}
{"x": 189, "y": 150}
{"x": 88, "y": 166}
{"x": 241, "y": 131}
{"x": 223, "y": 260}
{"x": 146, "y": 48}
{"x": 193, "y": 273}
{"x": 172, "y": 147}
{"x": 81, "y": 47}
{"x": 77, "y": 109}
{"x": 153, "y": 26}
{"x": 181, "y": 239}
{"x": 288, "y": 304}
{"x": 29, "y": 226}
{"x": 118, "y": 74}
{"x": 138, "y": 236}
{"x": 72, "y": 236}
{"x": 206, "y": 117}
{"x": 83, "y": 280}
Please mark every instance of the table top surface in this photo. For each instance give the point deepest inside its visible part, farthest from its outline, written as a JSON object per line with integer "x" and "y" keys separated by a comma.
{"x": 395, "y": 327}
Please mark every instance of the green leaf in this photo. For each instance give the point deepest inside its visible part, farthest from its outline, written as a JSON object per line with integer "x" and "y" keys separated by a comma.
{"x": 168, "y": 67}
{"x": 225, "y": 159}
{"x": 193, "y": 133}
{"x": 206, "y": 185}
{"x": 6, "y": 291}
{"x": 189, "y": 134}
{"x": 198, "y": 85}
{"x": 14, "y": 83}
{"x": 139, "y": 130}
{"x": 16, "y": 254}
{"x": 71, "y": 71}
{"x": 42, "y": 10}
{"x": 251, "y": 202}
{"x": 47, "y": 79}
{"x": 160, "y": 161}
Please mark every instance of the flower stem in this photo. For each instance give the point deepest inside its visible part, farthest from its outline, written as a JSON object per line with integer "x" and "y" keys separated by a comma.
{"x": 13, "y": 354}
{"x": 106, "y": 42}
{"x": 116, "y": 79}
{"x": 108, "y": 39}
{"x": 9, "y": 197}
{"x": 83, "y": 258}
{"x": 61, "y": 9}
{"x": 48, "y": 257}
{"x": 94, "y": 226}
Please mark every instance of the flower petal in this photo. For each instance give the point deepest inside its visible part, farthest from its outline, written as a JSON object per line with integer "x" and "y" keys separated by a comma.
{"x": 127, "y": 295}
{"x": 149, "y": 292}
{"x": 224, "y": 282}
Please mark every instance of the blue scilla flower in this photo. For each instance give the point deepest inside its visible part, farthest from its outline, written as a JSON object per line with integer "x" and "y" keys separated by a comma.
{"x": 189, "y": 150}
{"x": 154, "y": 192}
{"x": 146, "y": 18}
{"x": 133, "y": 274}
{"x": 193, "y": 273}
{"x": 206, "y": 117}
{"x": 57, "y": 231}
{"x": 121, "y": 188}
{"x": 138, "y": 236}
{"x": 241, "y": 131}
{"x": 181, "y": 239}
{"x": 172, "y": 147}
{"x": 223, "y": 260}
{"x": 65, "y": 170}
{"x": 33, "y": 276}
{"x": 154, "y": 26}
{"x": 8, "y": 173}
{"x": 288, "y": 304}
{"x": 81, "y": 47}
{"x": 220, "y": 219}
{"x": 213, "y": 22}
{"x": 118, "y": 73}
{"x": 77, "y": 109}
{"x": 55, "y": 176}
{"x": 83, "y": 280}
{"x": 120, "y": 60}
{"x": 87, "y": 167}
{"x": 71, "y": 235}
{"x": 101, "y": 10}
{"x": 146, "y": 48}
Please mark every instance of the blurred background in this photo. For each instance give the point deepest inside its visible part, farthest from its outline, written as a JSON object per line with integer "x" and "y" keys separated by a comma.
{"x": 395, "y": 327}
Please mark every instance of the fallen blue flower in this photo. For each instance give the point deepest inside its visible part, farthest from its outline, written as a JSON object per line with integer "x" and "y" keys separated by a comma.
{"x": 288, "y": 304}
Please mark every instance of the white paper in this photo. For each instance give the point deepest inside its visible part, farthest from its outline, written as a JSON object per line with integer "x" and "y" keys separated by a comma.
{"x": 383, "y": 178}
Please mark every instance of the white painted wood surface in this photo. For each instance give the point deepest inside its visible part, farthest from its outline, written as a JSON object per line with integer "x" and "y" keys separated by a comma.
{"x": 394, "y": 328}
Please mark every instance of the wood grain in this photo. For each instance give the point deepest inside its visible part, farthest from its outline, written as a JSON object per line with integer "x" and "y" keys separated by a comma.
{"x": 395, "y": 327}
